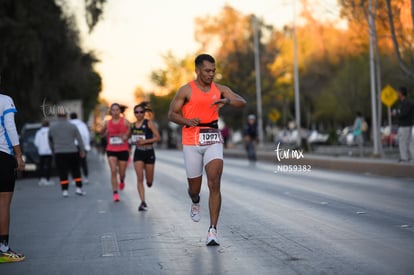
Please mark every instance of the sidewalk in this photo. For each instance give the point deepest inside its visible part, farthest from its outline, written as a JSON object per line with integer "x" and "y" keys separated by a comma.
{"x": 366, "y": 165}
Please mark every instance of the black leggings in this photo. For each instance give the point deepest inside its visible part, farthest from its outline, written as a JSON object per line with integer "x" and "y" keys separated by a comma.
{"x": 45, "y": 166}
{"x": 8, "y": 165}
{"x": 84, "y": 165}
{"x": 68, "y": 163}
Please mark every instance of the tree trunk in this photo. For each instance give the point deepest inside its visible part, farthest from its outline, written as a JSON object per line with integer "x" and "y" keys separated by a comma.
{"x": 403, "y": 67}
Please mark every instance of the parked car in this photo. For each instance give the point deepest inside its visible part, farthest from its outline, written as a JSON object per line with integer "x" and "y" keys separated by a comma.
{"x": 287, "y": 137}
{"x": 346, "y": 136}
{"x": 29, "y": 150}
{"x": 315, "y": 137}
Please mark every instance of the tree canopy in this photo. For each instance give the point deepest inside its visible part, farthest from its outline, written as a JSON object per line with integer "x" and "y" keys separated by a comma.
{"x": 333, "y": 62}
{"x": 41, "y": 59}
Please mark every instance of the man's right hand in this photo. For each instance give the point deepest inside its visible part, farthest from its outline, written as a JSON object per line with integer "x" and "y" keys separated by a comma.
{"x": 192, "y": 122}
{"x": 20, "y": 163}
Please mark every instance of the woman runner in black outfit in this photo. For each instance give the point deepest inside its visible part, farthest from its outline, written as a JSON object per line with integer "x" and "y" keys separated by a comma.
{"x": 144, "y": 134}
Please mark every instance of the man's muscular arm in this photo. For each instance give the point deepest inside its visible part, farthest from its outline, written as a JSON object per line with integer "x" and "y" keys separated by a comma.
{"x": 174, "y": 113}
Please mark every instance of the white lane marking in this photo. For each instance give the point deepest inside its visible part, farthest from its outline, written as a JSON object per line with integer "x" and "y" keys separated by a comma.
{"x": 109, "y": 245}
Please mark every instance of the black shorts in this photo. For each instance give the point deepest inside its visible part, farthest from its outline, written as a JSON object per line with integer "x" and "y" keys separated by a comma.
{"x": 8, "y": 173}
{"x": 147, "y": 156}
{"x": 121, "y": 155}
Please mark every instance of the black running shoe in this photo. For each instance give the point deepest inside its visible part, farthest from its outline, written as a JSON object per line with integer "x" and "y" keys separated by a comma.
{"x": 143, "y": 206}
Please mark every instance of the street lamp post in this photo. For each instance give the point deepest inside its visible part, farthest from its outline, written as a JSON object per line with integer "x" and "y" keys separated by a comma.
{"x": 372, "y": 73}
{"x": 258, "y": 84}
{"x": 296, "y": 77}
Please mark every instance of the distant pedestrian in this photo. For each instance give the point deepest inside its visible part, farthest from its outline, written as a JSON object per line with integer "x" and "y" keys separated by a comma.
{"x": 101, "y": 143}
{"x": 117, "y": 131}
{"x": 405, "y": 116}
{"x": 41, "y": 141}
{"x": 144, "y": 134}
{"x": 86, "y": 138}
{"x": 62, "y": 137}
{"x": 10, "y": 160}
{"x": 225, "y": 133}
{"x": 358, "y": 133}
{"x": 250, "y": 135}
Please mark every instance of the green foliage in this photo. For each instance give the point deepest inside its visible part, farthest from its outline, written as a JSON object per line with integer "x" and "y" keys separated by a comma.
{"x": 176, "y": 72}
{"x": 160, "y": 106}
{"x": 346, "y": 93}
{"x": 334, "y": 69}
{"x": 41, "y": 60}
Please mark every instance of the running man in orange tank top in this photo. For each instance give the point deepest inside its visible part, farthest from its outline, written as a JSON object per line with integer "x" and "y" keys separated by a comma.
{"x": 196, "y": 107}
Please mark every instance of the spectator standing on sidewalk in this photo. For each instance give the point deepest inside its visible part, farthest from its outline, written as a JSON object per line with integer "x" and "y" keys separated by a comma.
{"x": 41, "y": 141}
{"x": 405, "y": 116}
{"x": 62, "y": 137}
{"x": 144, "y": 134}
{"x": 357, "y": 132}
{"x": 117, "y": 131}
{"x": 196, "y": 106}
{"x": 10, "y": 160}
{"x": 86, "y": 138}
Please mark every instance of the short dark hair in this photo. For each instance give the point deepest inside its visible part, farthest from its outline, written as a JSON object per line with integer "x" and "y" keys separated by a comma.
{"x": 403, "y": 90}
{"x": 45, "y": 123}
{"x": 73, "y": 115}
{"x": 204, "y": 57}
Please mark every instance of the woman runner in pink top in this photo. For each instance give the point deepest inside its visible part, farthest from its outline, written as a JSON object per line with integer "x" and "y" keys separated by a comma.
{"x": 117, "y": 131}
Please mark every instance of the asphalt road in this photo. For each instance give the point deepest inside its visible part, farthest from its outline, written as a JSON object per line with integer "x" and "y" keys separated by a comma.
{"x": 294, "y": 222}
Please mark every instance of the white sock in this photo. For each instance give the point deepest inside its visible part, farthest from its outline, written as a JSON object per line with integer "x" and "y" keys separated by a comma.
{"x": 3, "y": 248}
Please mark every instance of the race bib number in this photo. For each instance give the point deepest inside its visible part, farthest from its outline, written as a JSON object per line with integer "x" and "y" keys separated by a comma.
{"x": 115, "y": 140}
{"x": 135, "y": 138}
{"x": 208, "y": 136}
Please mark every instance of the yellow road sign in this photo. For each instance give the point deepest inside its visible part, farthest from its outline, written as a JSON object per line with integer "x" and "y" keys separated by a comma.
{"x": 389, "y": 96}
{"x": 274, "y": 115}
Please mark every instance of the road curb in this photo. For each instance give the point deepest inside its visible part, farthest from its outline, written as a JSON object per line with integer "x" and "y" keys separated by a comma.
{"x": 362, "y": 166}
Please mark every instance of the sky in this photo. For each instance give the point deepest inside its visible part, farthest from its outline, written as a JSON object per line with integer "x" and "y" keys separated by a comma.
{"x": 133, "y": 35}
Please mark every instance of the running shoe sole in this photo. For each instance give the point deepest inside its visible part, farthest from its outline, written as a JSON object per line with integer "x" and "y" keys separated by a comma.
{"x": 143, "y": 207}
{"x": 212, "y": 243}
{"x": 212, "y": 238}
{"x": 11, "y": 257}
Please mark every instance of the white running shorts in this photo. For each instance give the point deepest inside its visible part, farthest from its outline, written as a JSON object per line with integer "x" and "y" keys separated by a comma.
{"x": 196, "y": 157}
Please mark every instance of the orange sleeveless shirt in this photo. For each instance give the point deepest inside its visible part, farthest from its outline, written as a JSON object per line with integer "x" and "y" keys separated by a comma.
{"x": 199, "y": 106}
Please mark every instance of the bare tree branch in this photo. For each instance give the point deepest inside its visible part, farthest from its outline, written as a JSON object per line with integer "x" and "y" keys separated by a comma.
{"x": 404, "y": 68}
{"x": 94, "y": 11}
{"x": 412, "y": 13}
